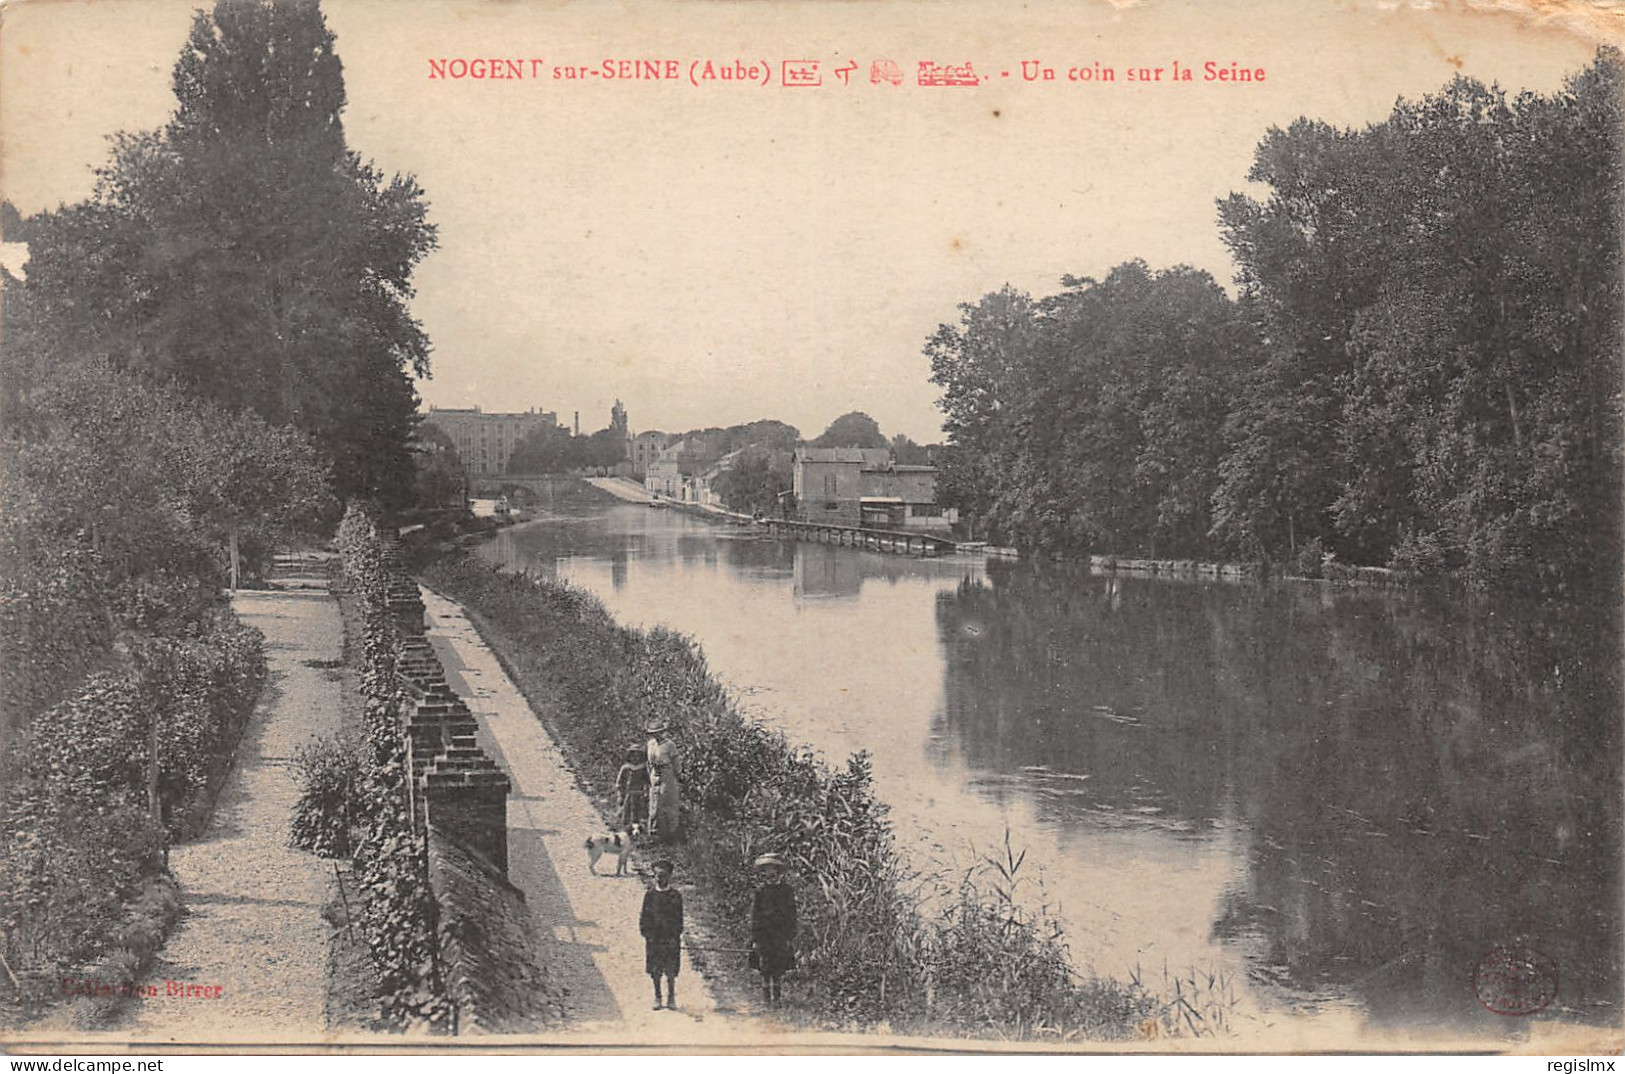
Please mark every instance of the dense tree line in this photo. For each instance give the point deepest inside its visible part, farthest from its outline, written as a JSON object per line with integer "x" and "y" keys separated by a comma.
{"x": 118, "y": 504}
{"x": 764, "y": 433}
{"x": 1421, "y": 368}
{"x": 555, "y": 450}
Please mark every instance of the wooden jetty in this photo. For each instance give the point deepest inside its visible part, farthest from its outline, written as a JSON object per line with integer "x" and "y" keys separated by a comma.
{"x": 899, "y": 542}
{"x": 1174, "y": 567}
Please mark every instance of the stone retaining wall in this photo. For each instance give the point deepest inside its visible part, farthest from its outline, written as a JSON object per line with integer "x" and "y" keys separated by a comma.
{"x": 460, "y": 797}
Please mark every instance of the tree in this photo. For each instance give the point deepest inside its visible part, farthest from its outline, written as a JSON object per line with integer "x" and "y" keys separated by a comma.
{"x": 246, "y": 255}
{"x": 118, "y": 502}
{"x": 604, "y": 449}
{"x": 979, "y": 364}
{"x": 765, "y": 432}
{"x": 755, "y": 480}
{"x": 905, "y": 451}
{"x": 1143, "y": 370}
{"x": 1421, "y": 368}
{"x": 853, "y": 429}
{"x": 1441, "y": 297}
{"x": 547, "y": 450}
{"x": 1092, "y": 419}
{"x": 440, "y": 480}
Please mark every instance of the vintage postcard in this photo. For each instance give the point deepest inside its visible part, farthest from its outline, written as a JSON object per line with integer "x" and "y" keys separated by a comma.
{"x": 1079, "y": 526}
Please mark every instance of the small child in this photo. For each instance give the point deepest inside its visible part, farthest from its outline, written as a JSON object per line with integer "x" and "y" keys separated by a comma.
{"x": 633, "y": 784}
{"x": 773, "y": 927}
{"x": 661, "y": 924}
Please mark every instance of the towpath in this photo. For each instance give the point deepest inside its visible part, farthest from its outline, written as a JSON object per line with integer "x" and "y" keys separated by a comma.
{"x": 253, "y": 938}
{"x": 587, "y": 926}
{"x": 622, "y": 489}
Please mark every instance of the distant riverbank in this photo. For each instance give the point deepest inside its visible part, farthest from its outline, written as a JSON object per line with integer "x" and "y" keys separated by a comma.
{"x": 1313, "y": 565}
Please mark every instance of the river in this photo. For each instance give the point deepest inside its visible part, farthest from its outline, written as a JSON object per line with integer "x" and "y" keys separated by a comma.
{"x": 1340, "y": 801}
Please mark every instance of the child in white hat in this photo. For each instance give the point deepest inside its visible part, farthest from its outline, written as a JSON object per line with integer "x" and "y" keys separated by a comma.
{"x": 773, "y": 926}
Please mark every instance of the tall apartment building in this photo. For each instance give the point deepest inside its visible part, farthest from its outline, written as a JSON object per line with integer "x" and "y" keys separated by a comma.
{"x": 646, "y": 449}
{"x": 486, "y": 441}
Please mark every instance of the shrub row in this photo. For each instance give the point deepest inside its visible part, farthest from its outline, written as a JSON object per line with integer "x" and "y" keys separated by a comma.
{"x": 117, "y": 502}
{"x": 878, "y": 943}
{"x": 82, "y": 839}
{"x": 361, "y": 803}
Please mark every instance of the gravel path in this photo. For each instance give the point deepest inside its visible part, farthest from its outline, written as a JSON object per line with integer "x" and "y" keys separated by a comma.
{"x": 254, "y": 929}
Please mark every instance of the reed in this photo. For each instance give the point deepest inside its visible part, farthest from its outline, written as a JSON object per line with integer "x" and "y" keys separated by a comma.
{"x": 1198, "y": 1002}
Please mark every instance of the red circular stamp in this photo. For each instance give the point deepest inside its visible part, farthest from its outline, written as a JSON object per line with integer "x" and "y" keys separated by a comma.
{"x": 1515, "y": 980}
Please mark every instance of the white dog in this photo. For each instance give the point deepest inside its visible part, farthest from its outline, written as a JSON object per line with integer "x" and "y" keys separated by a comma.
{"x": 616, "y": 843}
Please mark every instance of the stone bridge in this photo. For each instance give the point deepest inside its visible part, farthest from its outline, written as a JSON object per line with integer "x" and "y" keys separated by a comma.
{"x": 522, "y": 488}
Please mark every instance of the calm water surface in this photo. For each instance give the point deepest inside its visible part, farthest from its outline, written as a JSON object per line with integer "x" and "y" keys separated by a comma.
{"x": 1340, "y": 800}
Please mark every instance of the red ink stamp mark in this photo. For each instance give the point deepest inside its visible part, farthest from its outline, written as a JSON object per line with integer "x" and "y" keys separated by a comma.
{"x": 802, "y": 73}
{"x": 90, "y": 988}
{"x": 939, "y": 74}
{"x": 1515, "y": 980}
{"x": 885, "y": 72}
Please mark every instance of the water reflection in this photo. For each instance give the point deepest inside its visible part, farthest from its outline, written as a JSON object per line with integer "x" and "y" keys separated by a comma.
{"x": 1344, "y": 798}
{"x": 1416, "y": 783}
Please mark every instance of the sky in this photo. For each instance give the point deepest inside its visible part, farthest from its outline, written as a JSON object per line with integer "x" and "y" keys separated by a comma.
{"x": 720, "y": 252}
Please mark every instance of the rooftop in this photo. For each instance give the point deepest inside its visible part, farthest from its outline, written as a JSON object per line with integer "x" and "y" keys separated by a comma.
{"x": 875, "y": 457}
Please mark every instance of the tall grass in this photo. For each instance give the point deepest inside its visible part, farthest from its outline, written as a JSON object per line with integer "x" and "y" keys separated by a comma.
{"x": 878, "y": 943}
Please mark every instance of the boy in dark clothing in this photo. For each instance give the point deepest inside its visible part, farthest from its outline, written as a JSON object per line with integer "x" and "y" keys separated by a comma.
{"x": 773, "y": 926}
{"x": 661, "y": 924}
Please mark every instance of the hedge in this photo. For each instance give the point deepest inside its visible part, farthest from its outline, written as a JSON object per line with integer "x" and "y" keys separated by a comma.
{"x": 390, "y": 856}
{"x": 81, "y": 838}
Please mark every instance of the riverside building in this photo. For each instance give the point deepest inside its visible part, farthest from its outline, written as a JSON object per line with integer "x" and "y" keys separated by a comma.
{"x": 484, "y": 441}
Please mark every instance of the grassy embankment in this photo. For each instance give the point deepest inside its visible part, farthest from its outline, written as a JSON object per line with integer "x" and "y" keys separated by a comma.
{"x": 879, "y": 945}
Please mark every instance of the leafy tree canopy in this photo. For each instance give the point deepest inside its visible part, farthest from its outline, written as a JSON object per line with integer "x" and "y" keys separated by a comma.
{"x": 1421, "y": 368}
{"x": 757, "y": 480}
{"x": 852, "y": 429}
{"x": 244, "y": 254}
{"x": 764, "y": 432}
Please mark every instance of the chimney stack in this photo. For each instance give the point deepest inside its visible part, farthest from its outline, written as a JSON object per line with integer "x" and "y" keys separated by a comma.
{"x": 578, "y": 423}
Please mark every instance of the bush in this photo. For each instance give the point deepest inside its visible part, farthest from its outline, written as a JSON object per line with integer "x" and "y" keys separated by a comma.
{"x": 146, "y": 923}
{"x": 199, "y": 690}
{"x": 1419, "y": 554}
{"x": 1310, "y": 561}
{"x": 66, "y": 870}
{"x": 328, "y": 773}
{"x": 82, "y": 838}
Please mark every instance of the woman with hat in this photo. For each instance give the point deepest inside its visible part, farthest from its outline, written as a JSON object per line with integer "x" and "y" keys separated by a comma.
{"x": 772, "y": 926}
{"x": 665, "y": 793}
